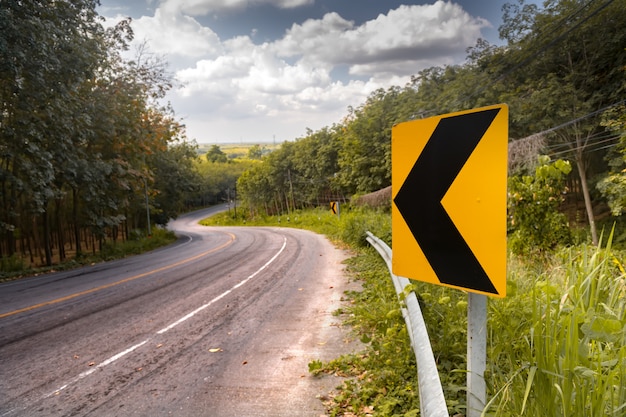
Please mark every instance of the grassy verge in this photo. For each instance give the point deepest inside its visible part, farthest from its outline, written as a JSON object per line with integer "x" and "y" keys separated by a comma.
{"x": 566, "y": 333}
{"x": 14, "y": 268}
{"x": 556, "y": 343}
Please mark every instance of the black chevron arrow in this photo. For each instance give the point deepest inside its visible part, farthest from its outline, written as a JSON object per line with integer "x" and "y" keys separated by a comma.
{"x": 419, "y": 200}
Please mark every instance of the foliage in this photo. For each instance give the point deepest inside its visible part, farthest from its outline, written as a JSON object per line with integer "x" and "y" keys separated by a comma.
{"x": 15, "y": 266}
{"x": 139, "y": 244}
{"x": 533, "y": 205}
{"x": 300, "y": 174}
{"x": 215, "y": 154}
{"x": 613, "y": 187}
{"x": 558, "y": 346}
{"x": 561, "y": 68}
{"x": 85, "y": 145}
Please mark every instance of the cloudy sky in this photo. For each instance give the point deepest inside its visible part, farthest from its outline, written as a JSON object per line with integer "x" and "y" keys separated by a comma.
{"x": 266, "y": 70}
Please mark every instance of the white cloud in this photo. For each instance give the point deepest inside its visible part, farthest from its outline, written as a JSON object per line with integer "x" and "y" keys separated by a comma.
{"x": 236, "y": 89}
{"x": 176, "y": 34}
{"x": 420, "y": 35}
{"x": 204, "y": 7}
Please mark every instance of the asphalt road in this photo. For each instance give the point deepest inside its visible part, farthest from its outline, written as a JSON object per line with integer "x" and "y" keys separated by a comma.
{"x": 222, "y": 323}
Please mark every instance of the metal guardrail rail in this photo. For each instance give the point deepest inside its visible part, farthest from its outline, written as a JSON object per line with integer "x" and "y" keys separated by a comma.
{"x": 432, "y": 400}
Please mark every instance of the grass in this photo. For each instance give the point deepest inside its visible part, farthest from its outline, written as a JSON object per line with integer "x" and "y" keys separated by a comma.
{"x": 568, "y": 354}
{"x": 556, "y": 343}
{"x": 15, "y": 267}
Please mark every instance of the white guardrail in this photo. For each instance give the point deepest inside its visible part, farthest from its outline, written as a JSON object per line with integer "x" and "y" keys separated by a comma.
{"x": 432, "y": 400}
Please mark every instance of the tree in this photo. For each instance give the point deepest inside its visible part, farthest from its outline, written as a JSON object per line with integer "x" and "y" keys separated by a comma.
{"x": 255, "y": 152}
{"x": 215, "y": 154}
{"x": 572, "y": 55}
{"x": 175, "y": 180}
{"x": 365, "y": 154}
{"x": 534, "y": 218}
{"x": 78, "y": 125}
{"x": 613, "y": 186}
{"x": 48, "y": 51}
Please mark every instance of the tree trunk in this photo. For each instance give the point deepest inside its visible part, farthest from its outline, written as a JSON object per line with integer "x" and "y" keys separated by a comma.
{"x": 46, "y": 236}
{"x": 76, "y": 222}
{"x": 60, "y": 230}
{"x": 580, "y": 164}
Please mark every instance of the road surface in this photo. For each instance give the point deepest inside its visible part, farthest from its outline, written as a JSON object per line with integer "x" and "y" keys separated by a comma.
{"x": 222, "y": 323}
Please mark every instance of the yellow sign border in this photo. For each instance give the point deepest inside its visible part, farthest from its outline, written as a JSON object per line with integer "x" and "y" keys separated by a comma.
{"x": 476, "y": 200}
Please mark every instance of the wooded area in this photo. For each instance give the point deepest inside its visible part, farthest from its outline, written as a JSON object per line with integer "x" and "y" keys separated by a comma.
{"x": 562, "y": 73}
{"x": 84, "y": 144}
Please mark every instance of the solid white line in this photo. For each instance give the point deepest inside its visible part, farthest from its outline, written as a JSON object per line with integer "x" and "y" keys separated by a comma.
{"x": 99, "y": 366}
{"x": 165, "y": 329}
{"x": 225, "y": 293}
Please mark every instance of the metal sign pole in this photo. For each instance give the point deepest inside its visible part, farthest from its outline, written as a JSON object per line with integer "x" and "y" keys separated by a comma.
{"x": 476, "y": 354}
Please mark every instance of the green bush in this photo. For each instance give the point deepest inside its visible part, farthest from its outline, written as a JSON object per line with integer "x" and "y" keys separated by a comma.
{"x": 535, "y": 223}
{"x": 12, "y": 263}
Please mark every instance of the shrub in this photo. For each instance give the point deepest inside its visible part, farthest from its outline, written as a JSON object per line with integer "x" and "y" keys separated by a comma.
{"x": 534, "y": 218}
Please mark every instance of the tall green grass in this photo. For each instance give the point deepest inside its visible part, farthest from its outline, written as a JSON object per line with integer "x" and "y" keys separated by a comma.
{"x": 557, "y": 345}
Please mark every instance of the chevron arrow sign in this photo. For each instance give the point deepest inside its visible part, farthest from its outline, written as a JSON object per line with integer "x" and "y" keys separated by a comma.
{"x": 449, "y": 176}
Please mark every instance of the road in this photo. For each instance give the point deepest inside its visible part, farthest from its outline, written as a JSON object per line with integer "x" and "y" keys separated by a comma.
{"x": 222, "y": 323}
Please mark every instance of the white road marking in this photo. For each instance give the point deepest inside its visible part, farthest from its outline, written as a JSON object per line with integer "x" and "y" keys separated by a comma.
{"x": 225, "y": 293}
{"x": 165, "y": 329}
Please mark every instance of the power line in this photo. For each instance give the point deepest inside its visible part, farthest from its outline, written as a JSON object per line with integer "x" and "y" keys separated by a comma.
{"x": 590, "y": 147}
{"x": 578, "y": 119}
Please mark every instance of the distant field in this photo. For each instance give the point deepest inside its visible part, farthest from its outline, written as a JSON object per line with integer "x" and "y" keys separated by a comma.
{"x": 237, "y": 150}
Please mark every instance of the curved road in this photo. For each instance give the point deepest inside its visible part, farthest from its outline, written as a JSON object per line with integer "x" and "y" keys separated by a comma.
{"x": 221, "y": 323}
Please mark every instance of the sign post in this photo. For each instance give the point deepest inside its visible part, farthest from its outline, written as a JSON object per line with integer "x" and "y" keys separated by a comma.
{"x": 449, "y": 215}
{"x": 476, "y": 353}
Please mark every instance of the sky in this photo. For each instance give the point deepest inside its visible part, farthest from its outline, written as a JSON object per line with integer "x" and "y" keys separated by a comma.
{"x": 262, "y": 71}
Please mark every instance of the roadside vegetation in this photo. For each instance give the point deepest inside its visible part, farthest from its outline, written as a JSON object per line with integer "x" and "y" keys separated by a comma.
{"x": 556, "y": 343}
{"x": 15, "y": 267}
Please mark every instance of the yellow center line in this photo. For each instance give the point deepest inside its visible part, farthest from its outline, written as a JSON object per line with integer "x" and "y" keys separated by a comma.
{"x": 125, "y": 280}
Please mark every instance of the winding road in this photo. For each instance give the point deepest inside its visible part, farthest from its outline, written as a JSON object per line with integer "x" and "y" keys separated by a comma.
{"x": 222, "y": 323}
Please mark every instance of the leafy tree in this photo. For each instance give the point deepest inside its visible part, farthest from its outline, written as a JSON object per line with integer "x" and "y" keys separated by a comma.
{"x": 78, "y": 127}
{"x": 255, "y": 152}
{"x": 298, "y": 174}
{"x": 175, "y": 180}
{"x": 613, "y": 187}
{"x": 365, "y": 154}
{"x": 217, "y": 181}
{"x": 215, "y": 154}
{"x": 534, "y": 218}
{"x": 48, "y": 50}
{"x": 571, "y": 55}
